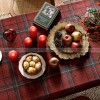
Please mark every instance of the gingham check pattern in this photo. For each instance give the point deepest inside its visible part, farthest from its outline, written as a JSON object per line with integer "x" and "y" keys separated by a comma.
{"x": 71, "y": 76}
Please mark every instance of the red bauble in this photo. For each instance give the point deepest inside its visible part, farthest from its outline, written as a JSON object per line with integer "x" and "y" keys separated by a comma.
{"x": 9, "y": 34}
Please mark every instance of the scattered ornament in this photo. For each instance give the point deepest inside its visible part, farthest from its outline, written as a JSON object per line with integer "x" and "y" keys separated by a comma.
{"x": 13, "y": 55}
{"x": 9, "y": 34}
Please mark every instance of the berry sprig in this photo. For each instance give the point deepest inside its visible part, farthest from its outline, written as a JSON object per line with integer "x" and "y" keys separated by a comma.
{"x": 91, "y": 21}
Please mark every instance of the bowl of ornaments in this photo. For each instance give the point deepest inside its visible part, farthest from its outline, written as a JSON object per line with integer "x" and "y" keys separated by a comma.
{"x": 32, "y": 65}
{"x": 68, "y": 40}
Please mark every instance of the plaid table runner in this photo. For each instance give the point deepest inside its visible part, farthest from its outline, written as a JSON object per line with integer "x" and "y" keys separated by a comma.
{"x": 71, "y": 76}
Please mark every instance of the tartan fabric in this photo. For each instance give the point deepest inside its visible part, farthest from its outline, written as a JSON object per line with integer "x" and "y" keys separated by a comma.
{"x": 71, "y": 76}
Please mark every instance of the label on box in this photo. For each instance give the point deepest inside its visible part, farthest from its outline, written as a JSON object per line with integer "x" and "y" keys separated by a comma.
{"x": 46, "y": 16}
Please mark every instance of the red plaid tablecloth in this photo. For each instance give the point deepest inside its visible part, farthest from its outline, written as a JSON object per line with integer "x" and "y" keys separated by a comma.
{"x": 71, "y": 76}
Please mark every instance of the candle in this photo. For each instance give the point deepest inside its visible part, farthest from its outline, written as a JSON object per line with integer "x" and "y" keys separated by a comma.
{"x": 42, "y": 41}
{"x": 28, "y": 42}
{"x": 33, "y": 32}
{"x": 13, "y": 55}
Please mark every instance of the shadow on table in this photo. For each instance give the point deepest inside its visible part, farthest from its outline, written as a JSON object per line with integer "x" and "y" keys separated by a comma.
{"x": 81, "y": 62}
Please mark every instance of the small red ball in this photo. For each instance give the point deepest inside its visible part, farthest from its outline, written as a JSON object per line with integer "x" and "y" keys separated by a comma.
{"x": 9, "y": 34}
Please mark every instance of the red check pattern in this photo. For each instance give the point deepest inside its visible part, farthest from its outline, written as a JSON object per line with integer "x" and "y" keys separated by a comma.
{"x": 71, "y": 76}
